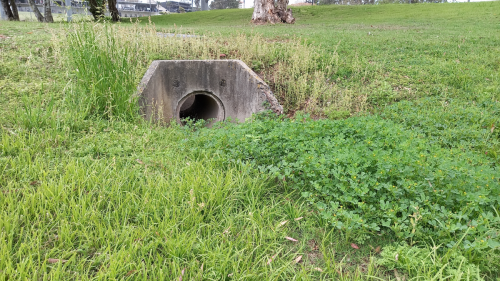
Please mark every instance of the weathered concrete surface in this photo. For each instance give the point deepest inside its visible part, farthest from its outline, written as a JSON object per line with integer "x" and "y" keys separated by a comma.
{"x": 216, "y": 89}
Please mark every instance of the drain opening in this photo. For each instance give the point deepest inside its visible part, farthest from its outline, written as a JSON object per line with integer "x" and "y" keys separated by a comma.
{"x": 199, "y": 106}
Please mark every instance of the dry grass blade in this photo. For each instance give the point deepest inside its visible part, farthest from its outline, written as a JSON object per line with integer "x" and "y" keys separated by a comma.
{"x": 282, "y": 223}
{"x": 182, "y": 274}
{"x": 291, "y": 239}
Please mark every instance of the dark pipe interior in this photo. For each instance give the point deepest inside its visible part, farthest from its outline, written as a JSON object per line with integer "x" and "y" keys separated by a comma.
{"x": 199, "y": 106}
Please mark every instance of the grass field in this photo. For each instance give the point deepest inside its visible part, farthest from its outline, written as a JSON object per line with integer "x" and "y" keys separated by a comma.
{"x": 386, "y": 166}
{"x": 386, "y": 53}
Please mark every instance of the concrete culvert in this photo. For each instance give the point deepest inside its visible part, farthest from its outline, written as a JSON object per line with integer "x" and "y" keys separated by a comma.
{"x": 208, "y": 90}
{"x": 200, "y": 105}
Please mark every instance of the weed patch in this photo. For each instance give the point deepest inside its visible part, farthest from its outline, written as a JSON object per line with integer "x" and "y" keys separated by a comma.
{"x": 427, "y": 263}
{"x": 366, "y": 175}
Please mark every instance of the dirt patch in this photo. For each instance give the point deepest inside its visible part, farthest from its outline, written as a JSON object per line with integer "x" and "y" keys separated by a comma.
{"x": 2, "y": 37}
{"x": 314, "y": 256}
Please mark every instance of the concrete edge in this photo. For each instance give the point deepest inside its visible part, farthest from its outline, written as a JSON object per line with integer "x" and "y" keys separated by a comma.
{"x": 273, "y": 105}
{"x": 147, "y": 76}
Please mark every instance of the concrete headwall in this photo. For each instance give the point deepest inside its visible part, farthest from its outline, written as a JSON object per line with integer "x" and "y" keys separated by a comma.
{"x": 222, "y": 88}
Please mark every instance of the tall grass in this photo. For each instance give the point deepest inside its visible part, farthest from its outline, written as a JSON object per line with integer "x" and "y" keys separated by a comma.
{"x": 109, "y": 61}
{"x": 105, "y": 72}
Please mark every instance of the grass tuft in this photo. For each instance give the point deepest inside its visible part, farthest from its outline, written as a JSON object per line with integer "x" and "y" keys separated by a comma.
{"x": 105, "y": 72}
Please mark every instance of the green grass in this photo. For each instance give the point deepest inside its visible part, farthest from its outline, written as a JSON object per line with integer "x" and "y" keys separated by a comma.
{"x": 121, "y": 200}
{"x": 386, "y": 53}
{"x": 135, "y": 208}
{"x": 84, "y": 182}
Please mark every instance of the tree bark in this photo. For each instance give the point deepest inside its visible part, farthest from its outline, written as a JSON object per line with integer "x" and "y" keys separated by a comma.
{"x": 265, "y": 11}
{"x": 284, "y": 13}
{"x": 6, "y": 8}
{"x": 48, "y": 11}
{"x": 15, "y": 13}
{"x": 35, "y": 10}
{"x": 96, "y": 9}
{"x": 115, "y": 16}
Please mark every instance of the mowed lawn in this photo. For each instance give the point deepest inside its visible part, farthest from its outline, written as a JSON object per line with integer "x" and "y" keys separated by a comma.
{"x": 97, "y": 197}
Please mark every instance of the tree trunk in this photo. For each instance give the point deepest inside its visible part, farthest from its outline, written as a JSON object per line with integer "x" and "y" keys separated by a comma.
{"x": 48, "y": 11}
{"x": 96, "y": 9}
{"x": 6, "y": 8}
{"x": 265, "y": 11}
{"x": 115, "y": 16}
{"x": 13, "y": 6}
{"x": 284, "y": 13}
{"x": 35, "y": 10}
